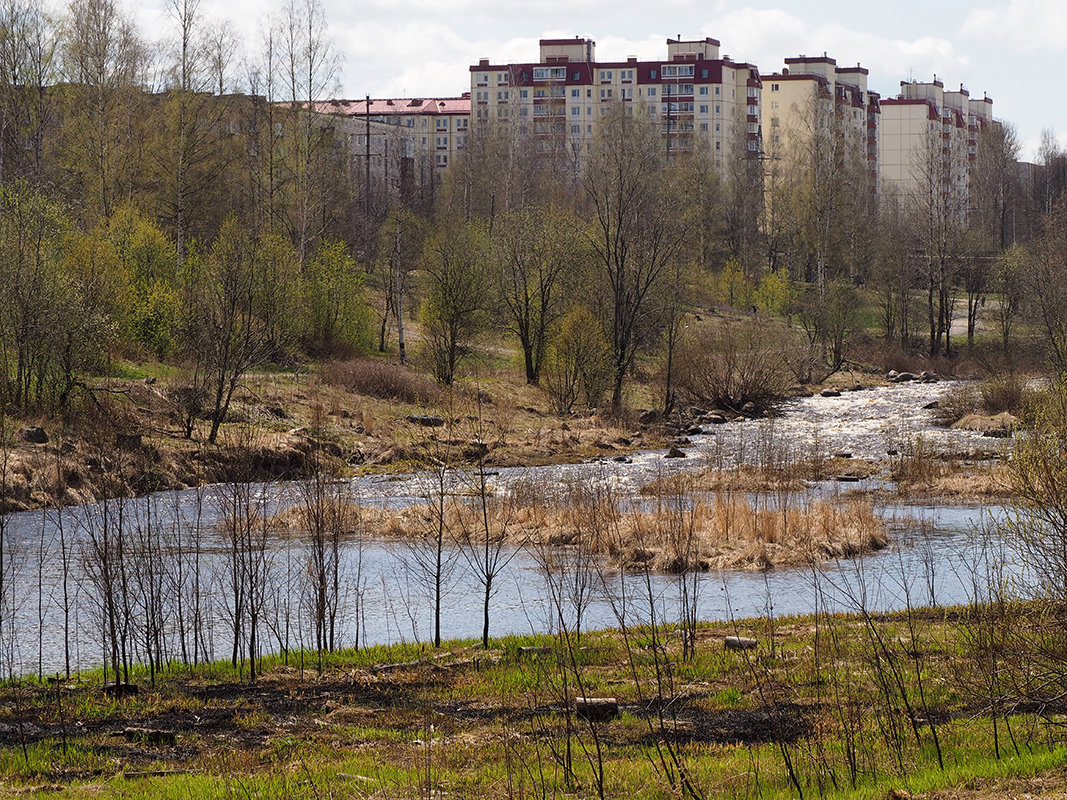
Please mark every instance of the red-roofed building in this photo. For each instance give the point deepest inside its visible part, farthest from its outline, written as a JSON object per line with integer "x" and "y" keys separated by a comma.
{"x": 406, "y": 140}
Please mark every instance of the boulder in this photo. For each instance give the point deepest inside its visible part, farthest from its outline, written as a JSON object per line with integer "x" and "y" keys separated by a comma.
{"x": 426, "y": 420}
{"x": 904, "y": 377}
{"x": 596, "y": 709}
{"x": 829, "y": 393}
{"x": 34, "y": 434}
{"x": 674, "y": 452}
{"x": 649, "y": 417}
{"x": 128, "y": 441}
{"x": 739, "y": 643}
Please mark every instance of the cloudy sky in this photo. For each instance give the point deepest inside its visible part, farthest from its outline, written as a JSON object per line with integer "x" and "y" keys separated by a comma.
{"x": 1009, "y": 49}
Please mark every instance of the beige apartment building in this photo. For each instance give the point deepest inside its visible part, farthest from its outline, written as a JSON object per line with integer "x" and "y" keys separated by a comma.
{"x": 930, "y": 137}
{"x": 404, "y": 141}
{"x": 813, "y": 96}
{"x": 699, "y": 98}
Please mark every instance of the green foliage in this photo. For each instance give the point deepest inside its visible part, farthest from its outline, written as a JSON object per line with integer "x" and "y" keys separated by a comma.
{"x": 579, "y": 362}
{"x": 732, "y": 286}
{"x": 338, "y": 317}
{"x": 775, "y": 294}
{"x": 457, "y": 283}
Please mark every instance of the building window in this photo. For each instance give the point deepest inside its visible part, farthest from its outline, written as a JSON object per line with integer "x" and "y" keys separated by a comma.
{"x": 717, "y": 90}
{"x": 774, "y": 87}
{"x": 577, "y": 76}
{"x": 576, "y": 128}
{"x": 502, "y": 77}
{"x": 678, "y": 70}
{"x": 718, "y": 145}
{"x": 605, "y": 75}
{"x": 442, "y": 124}
{"x": 752, "y": 91}
{"x": 576, "y": 93}
{"x": 651, "y": 91}
{"x": 575, "y": 111}
{"x": 703, "y": 109}
{"x": 703, "y": 73}
{"x": 704, "y": 90}
{"x": 524, "y": 93}
{"x": 703, "y": 126}
{"x": 652, "y": 74}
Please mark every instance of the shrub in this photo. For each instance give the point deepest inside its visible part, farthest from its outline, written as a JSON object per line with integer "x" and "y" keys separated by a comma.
{"x": 380, "y": 379}
{"x": 579, "y": 362}
{"x": 956, "y": 403}
{"x": 1006, "y": 393}
{"x": 730, "y": 365}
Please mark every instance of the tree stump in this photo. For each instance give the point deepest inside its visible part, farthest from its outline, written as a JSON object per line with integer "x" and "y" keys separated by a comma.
{"x": 596, "y": 709}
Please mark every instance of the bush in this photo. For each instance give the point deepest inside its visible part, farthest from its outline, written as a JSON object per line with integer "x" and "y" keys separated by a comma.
{"x": 1003, "y": 394}
{"x": 579, "y": 362}
{"x": 382, "y": 380}
{"x": 956, "y": 403}
{"x": 730, "y": 365}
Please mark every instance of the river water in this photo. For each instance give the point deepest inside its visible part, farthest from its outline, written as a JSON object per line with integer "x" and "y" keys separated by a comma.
{"x": 938, "y": 555}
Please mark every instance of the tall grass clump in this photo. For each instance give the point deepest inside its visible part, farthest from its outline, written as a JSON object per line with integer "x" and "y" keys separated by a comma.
{"x": 379, "y": 379}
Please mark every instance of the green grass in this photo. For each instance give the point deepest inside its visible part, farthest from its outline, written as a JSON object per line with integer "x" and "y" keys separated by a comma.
{"x": 392, "y": 721}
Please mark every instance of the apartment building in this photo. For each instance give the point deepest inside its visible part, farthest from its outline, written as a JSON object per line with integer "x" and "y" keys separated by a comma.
{"x": 428, "y": 132}
{"x": 813, "y": 96}
{"x": 697, "y": 97}
{"x": 931, "y": 137}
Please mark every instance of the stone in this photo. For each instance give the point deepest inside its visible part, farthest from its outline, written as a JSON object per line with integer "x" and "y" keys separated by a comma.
{"x": 603, "y": 446}
{"x": 932, "y": 406}
{"x": 596, "y": 709}
{"x": 121, "y": 690}
{"x": 715, "y": 418}
{"x": 150, "y": 735}
{"x": 649, "y": 417}
{"x": 829, "y": 393}
{"x": 904, "y": 377}
{"x": 891, "y": 375}
{"x": 842, "y": 455}
{"x": 847, "y": 478}
{"x": 739, "y": 643}
{"x": 674, "y": 452}
{"x": 34, "y": 434}
{"x": 929, "y": 377}
{"x": 128, "y": 441}
{"x": 998, "y": 433}
{"x": 426, "y": 420}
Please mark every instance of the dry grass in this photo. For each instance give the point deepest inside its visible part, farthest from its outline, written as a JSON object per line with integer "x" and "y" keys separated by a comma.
{"x": 375, "y": 378}
{"x": 703, "y": 532}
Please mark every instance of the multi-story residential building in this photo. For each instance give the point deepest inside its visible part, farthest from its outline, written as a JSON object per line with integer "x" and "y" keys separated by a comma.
{"x": 402, "y": 141}
{"x": 697, "y": 97}
{"x": 813, "y": 96}
{"x": 930, "y": 137}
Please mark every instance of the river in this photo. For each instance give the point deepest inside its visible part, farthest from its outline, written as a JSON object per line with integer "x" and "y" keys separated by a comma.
{"x": 938, "y": 555}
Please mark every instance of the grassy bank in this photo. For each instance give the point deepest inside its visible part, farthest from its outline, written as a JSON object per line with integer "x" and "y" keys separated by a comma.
{"x": 904, "y": 705}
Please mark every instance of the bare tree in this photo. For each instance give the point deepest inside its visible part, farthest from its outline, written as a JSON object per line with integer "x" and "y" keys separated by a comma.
{"x": 635, "y": 232}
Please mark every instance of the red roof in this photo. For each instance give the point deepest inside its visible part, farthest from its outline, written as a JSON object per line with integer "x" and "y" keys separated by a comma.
{"x": 397, "y": 106}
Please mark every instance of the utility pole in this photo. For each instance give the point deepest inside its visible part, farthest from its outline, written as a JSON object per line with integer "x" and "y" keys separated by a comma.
{"x": 366, "y": 189}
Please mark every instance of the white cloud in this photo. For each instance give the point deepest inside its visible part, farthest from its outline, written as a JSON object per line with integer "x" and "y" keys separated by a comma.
{"x": 1026, "y": 24}
{"x": 767, "y": 37}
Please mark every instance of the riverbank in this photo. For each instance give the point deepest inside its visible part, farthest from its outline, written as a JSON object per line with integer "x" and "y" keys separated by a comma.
{"x": 286, "y": 426}
{"x": 860, "y": 705}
